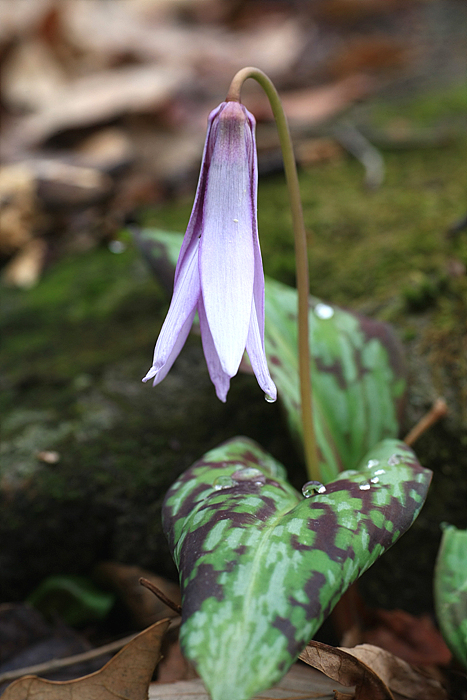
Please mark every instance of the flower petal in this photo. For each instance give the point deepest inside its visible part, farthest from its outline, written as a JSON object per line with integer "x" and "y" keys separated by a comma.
{"x": 193, "y": 230}
{"x": 226, "y": 249}
{"x": 185, "y": 298}
{"x": 160, "y": 374}
{"x": 219, "y": 378}
{"x": 257, "y": 356}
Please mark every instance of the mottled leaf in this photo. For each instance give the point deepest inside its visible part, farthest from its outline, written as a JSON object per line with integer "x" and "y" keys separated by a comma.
{"x": 356, "y": 365}
{"x": 450, "y": 587}
{"x": 356, "y": 372}
{"x": 261, "y": 566}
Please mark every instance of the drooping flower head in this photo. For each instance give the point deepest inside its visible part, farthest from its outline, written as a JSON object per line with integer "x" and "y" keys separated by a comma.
{"x": 219, "y": 273}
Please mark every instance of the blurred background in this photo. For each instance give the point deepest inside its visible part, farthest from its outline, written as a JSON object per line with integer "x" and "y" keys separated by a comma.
{"x": 103, "y": 107}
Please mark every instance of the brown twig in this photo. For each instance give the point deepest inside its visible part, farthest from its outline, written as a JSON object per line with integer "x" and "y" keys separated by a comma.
{"x": 437, "y": 411}
{"x": 54, "y": 664}
{"x": 157, "y": 592}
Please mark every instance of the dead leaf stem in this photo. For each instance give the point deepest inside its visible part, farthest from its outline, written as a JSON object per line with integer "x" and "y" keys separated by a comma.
{"x": 437, "y": 411}
{"x": 157, "y": 592}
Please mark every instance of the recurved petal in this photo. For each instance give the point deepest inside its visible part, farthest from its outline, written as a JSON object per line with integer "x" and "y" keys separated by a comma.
{"x": 257, "y": 356}
{"x": 160, "y": 374}
{"x": 226, "y": 247}
{"x": 182, "y": 307}
{"x": 219, "y": 378}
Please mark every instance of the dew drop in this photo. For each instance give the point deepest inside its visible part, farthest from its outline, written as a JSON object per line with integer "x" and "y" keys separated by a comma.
{"x": 394, "y": 460}
{"x": 374, "y": 480}
{"x": 269, "y": 399}
{"x": 324, "y": 311}
{"x": 249, "y": 474}
{"x": 380, "y": 471}
{"x": 364, "y": 487}
{"x": 372, "y": 463}
{"x": 223, "y": 482}
{"x": 235, "y": 221}
{"x": 311, "y": 487}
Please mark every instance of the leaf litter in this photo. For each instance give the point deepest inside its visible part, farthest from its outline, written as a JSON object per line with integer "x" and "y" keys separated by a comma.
{"x": 126, "y": 676}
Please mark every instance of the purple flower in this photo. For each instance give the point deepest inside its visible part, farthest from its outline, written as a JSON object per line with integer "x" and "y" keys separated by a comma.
{"x": 219, "y": 272}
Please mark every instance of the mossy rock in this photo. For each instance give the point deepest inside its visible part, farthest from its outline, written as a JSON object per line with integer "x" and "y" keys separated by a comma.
{"x": 75, "y": 350}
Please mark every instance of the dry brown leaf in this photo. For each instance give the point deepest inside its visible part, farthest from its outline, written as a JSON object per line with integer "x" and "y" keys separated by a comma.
{"x": 18, "y": 207}
{"x": 312, "y": 105}
{"x": 414, "y": 639}
{"x": 300, "y": 683}
{"x": 398, "y": 675}
{"x": 103, "y": 96}
{"x": 376, "y": 674}
{"x": 343, "y": 667}
{"x": 31, "y": 76}
{"x": 125, "y": 677}
{"x": 24, "y": 269}
{"x": 20, "y": 18}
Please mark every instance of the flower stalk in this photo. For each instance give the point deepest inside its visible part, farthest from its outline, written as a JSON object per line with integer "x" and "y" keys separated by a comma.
{"x": 301, "y": 257}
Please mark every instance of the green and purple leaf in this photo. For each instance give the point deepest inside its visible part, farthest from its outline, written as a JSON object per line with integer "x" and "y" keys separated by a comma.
{"x": 261, "y": 566}
{"x": 450, "y": 588}
{"x": 356, "y": 364}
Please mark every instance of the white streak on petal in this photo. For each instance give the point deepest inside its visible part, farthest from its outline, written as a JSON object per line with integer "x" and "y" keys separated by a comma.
{"x": 257, "y": 356}
{"x": 219, "y": 378}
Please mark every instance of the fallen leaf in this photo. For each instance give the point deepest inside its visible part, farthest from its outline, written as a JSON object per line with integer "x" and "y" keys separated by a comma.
{"x": 341, "y": 666}
{"x": 25, "y": 268}
{"x": 125, "y": 677}
{"x": 413, "y": 639}
{"x": 101, "y": 97}
{"x": 401, "y": 678}
{"x": 173, "y": 666}
{"x": 19, "y": 207}
{"x": 375, "y": 673}
{"x": 32, "y": 76}
{"x": 300, "y": 683}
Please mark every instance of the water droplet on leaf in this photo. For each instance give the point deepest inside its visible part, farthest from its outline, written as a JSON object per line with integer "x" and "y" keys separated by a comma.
{"x": 380, "y": 471}
{"x": 249, "y": 474}
{"x": 311, "y": 487}
{"x": 372, "y": 463}
{"x": 394, "y": 460}
{"x": 223, "y": 482}
{"x": 364, "y": 487}
{"x": 375, "y": 480}
{"x": 324, "y": 311}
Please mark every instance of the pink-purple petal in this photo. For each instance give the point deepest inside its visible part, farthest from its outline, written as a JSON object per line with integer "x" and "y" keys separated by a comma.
{"x": 219, "y": 378}
{"x": 184, "y": 301}
{"x": 226, "y": 249}
{"x": 257, "y": 357}
{"x": 159, "y": 374}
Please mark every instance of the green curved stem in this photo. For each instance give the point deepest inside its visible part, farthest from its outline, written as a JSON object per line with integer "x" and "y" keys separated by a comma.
{"x": 301, "y": 257}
